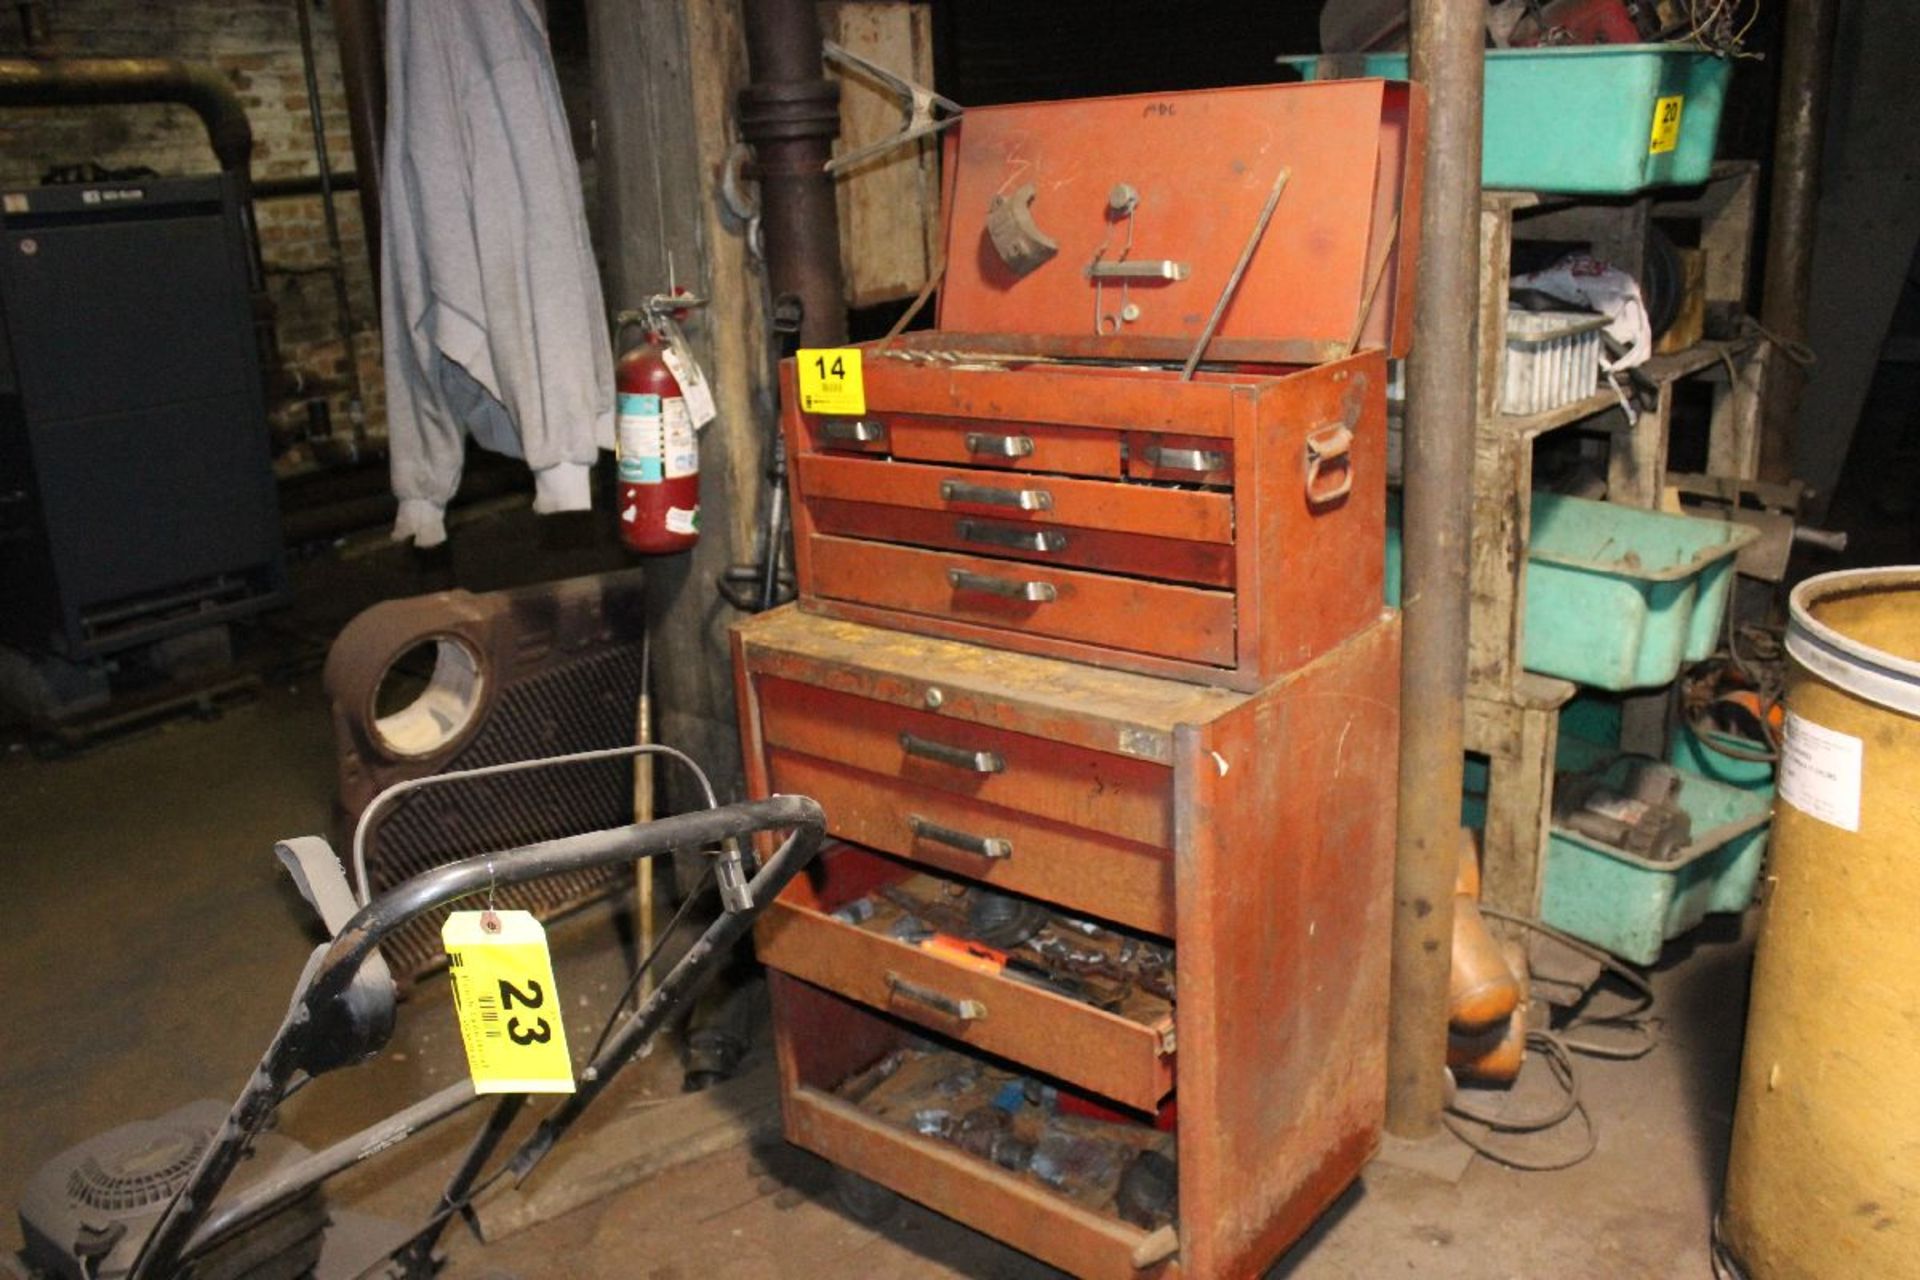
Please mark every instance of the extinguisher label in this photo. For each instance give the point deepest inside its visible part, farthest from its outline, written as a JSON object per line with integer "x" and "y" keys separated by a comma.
{"x": 681, "y": 454}
{"x": 640, "y": 437}
{"x": 682, "y": 520}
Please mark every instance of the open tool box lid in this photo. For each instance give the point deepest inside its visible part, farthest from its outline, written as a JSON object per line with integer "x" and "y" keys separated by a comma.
{"x": 1148, "y": 202}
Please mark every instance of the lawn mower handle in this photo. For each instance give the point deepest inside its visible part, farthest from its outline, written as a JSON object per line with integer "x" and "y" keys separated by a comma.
{"x": 330, "y": 972}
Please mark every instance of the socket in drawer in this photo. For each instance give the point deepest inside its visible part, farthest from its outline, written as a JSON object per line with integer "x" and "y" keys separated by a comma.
{"x": 1087, "y": 872}
{"x": 1125, "y": 1054}
{"x": 1095, "y": 790}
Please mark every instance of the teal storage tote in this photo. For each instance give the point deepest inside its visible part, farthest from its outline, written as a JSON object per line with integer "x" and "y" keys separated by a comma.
{"x": 1617, "y": 597}
{"x": 1704, "y": 756}
{"x": 1630, "y": 905}
{"x": 1590, "y": 119}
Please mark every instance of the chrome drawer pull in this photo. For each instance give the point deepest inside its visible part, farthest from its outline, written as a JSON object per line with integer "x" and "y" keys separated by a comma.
{"x": 979, "y": 846}
{"x": 938, "y": 1001}
{"x": 999, "y": 446}
{"x": 958, "y": 757}
{"x": 1025, "y": 499}
{"x": 1184, "y": 459}
{"x": 858, "y": 431}
{"x": 1007, "y": 535}
{"x": 1011, "y": 588}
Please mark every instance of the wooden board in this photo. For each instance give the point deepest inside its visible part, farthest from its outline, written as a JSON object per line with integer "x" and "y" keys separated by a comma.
{"x": 889, "y": 205}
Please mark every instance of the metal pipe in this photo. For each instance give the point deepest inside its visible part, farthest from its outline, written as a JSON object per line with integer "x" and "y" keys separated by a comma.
{"x": 1806, "y": 58}
{"x": 790, "y": 114}
{"x": 336, "y": 259}
{"x": 1446, "y": 58}
{"x": 363, "y": 74}
{"x": 32, "y": 82}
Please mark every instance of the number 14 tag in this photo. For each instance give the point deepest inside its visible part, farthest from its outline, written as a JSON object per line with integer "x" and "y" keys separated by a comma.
{"x": 831, "y": 380}
{"x": 506, "y": 1002}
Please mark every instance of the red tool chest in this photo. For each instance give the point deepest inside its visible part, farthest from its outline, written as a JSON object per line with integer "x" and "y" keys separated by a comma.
{"x": 1080, "y": 634}
{"x": 1024, "y": 475}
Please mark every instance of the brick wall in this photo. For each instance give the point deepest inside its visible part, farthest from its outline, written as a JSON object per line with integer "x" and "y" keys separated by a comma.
{"x": 257, "y": 44}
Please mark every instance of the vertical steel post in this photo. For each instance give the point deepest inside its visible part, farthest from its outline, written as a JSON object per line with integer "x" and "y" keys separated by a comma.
{"x": 1799, "y": 129}
{"x": 1446, "y": 48}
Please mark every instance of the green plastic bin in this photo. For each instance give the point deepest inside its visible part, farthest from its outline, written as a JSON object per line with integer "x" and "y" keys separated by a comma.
{"x": 1630, "y": 905}
{"x": 1705, "y": 757}
{"x": 1582, "y": 119}
{"x": 1617, "y": 597}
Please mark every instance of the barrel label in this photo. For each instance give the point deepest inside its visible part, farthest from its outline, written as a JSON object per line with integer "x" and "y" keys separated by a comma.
{"x": 1820, "y": 772}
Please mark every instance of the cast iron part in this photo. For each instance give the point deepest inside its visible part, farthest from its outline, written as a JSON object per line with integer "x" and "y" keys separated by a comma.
{"x": 790, "y": 114}
{"x": 329, "y": 1023}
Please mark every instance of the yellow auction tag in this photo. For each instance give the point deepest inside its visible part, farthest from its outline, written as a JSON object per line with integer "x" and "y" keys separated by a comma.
{"x": 1666, "y": 124}
{"x": 830, "y": 380}
{"x": 507, "y": 1004}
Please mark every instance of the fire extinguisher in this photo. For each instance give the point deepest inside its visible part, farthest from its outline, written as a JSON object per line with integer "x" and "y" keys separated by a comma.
{"x": 659, "y": 454}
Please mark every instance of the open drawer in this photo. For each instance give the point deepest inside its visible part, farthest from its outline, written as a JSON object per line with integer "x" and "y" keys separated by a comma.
{"x": 1022, "y": 1010}
{"x": 829, "y": 1052}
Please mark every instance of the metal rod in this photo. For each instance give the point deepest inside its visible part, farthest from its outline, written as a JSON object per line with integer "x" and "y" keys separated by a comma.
{"x": 363, "y": 75}
{"x": 1805, "y": 61}
{"x": 1446, "y": 48}
{"x": 1239, "y": 271}
{"x": 336, "y": 258}
{"x": 419, "y": 1251}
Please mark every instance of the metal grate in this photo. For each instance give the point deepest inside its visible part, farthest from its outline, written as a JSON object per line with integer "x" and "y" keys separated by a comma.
{"x": 575, "y": 705}
{"x": 136, "y": 1179}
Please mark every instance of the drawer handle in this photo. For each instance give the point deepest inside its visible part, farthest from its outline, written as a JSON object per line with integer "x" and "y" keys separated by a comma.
{"x": 1011, "y": 588}
{"x": 899, "y": 988}
{"x": 1329, "y": 465}
{"x": 979, "y": 846}
{"x": 1184, "y": 459}
{"x": 998, "y": 445}
{"x": 958, "y": 757}
{"x": 858, "y": 431}
{"x": 1009, "y": 535}
{"x": 987, "y": 495}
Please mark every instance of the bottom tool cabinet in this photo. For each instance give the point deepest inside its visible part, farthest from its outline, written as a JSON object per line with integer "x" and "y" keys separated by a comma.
{"x": 1233, "y": 849}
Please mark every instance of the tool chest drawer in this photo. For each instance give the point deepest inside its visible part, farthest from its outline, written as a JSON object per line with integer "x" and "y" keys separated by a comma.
{"x": 1224, "y": 530}
{"x": 908, "y": 943}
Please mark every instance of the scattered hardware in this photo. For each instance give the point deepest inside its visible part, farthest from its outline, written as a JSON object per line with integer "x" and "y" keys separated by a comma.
{"x": 1630, "y": 804}
{"x": 1095, "y": 1156}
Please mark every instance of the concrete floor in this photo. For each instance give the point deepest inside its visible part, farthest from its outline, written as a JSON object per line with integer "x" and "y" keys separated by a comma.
{"x": 151, "y": 942}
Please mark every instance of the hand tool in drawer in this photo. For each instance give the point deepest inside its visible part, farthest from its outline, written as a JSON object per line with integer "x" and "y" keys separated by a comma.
{"x": 1115, "y": 1040}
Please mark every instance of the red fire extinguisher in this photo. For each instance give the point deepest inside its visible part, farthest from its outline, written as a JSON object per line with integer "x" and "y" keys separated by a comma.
{"x": 659, "y": 454}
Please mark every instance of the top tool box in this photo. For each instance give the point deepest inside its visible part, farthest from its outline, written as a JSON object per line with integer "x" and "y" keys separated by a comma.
{"x": 1149, "y": 429}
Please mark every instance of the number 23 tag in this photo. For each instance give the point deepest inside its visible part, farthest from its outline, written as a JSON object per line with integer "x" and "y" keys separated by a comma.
{"x": 506, "y": 1002}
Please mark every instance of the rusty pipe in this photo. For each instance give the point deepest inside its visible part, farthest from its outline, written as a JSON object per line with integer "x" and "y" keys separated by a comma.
{"x": 1446, "y": 53}
{"x": 790, "y": 114}
{"x": 363, "y": 75}
{"x": 1800, "y": 126}
{"x": 34, "y": 82}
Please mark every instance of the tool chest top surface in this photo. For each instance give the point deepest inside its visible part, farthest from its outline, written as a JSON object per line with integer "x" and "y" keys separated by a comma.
{"x": 1112, "y": 226}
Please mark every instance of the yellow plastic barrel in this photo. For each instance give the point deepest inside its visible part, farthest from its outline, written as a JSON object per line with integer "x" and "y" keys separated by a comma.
{"x": 1824, "y": 1178}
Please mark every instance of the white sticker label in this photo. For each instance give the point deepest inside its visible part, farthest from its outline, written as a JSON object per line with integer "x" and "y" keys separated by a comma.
{"x": 1820, "y": 772}
{"x": 684, "y": 521}
{"x": 682, "y": 456}
{"x": 693, "y": 385}
{"x": 638, "y": 438}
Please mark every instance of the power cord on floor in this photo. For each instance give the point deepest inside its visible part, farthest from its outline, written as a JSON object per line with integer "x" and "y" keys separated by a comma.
{"x": 1557, "y": 1050}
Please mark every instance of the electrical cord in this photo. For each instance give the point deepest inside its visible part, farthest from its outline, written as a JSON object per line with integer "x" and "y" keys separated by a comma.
{"x": 1557, "y": 1050}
